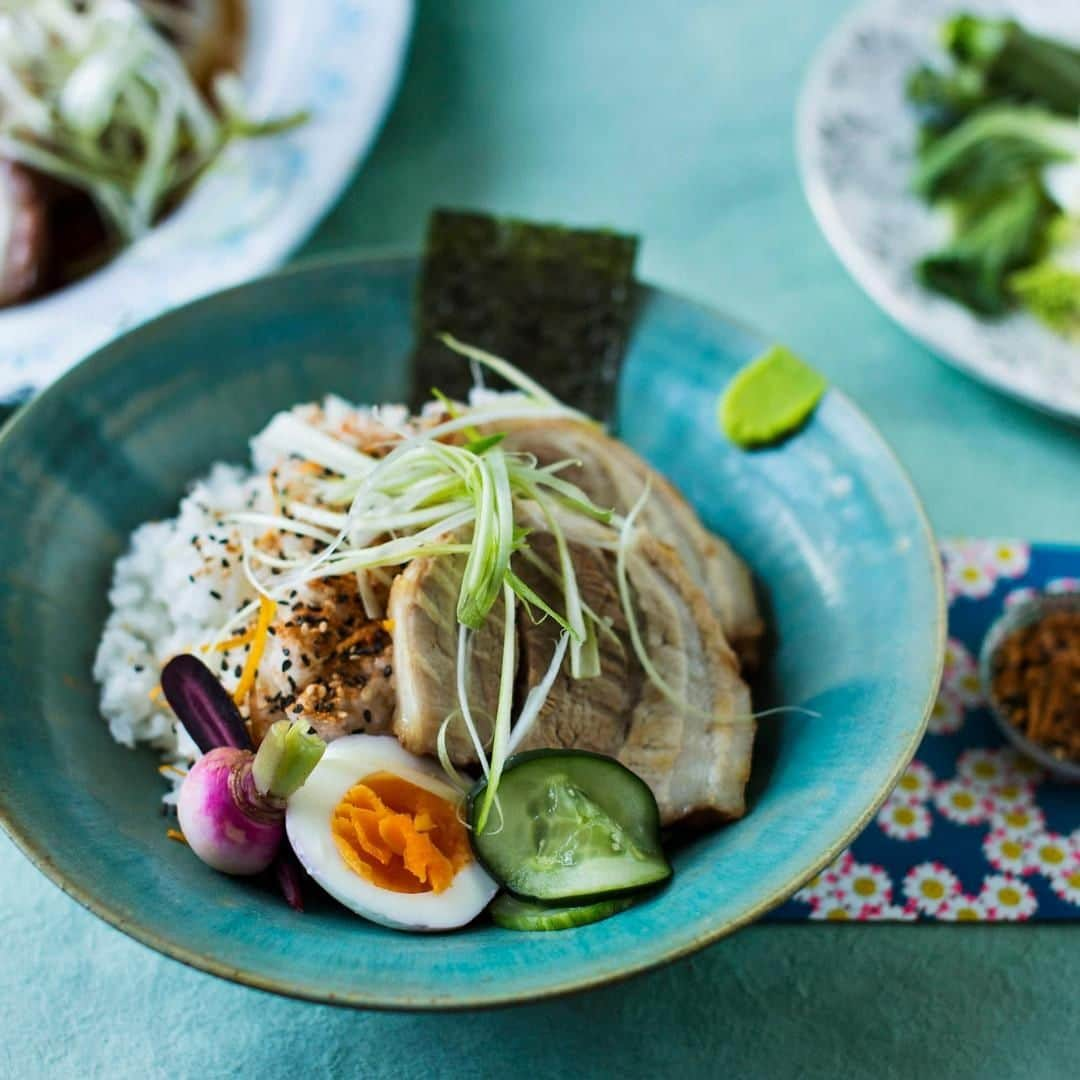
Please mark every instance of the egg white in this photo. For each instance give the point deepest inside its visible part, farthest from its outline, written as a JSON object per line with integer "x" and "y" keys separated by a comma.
{"x": 307, "y": 822}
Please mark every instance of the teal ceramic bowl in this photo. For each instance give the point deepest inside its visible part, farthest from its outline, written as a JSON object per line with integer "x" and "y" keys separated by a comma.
{"x": 828, "y": 521}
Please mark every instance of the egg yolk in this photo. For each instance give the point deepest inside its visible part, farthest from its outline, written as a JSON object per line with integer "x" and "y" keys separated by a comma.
{"x": 399, "y": 836}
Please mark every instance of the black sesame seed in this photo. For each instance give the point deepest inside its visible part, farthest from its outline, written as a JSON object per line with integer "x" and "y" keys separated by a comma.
{"x": 388, "y": 671}
{"x": 191, "y": 578}
{"x": 238, "y": 671}
{"x": 215, "y": 594}
{"x": 367, "y": 716}
{"x": 285, "y": 651}
{"x": 292, "y": 683}
{"x": 298, "y": 708}
{"x": 285, "y": 665}
{"x": 224, "y": 665}
{"x": 139, "y": 667}
{"x": 224, "y": 563}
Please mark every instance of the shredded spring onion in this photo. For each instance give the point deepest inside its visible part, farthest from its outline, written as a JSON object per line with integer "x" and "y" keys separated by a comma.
{"x": 501, "y": 735}
{"x": 427, "y": 497}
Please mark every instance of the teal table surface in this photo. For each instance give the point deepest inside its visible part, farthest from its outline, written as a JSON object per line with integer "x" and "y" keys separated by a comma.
{"x": 674, "y": 120}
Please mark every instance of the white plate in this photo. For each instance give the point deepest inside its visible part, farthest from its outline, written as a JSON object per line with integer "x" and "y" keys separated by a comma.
{"x": 856, "y": 140}
{"x": 338, "y": 58}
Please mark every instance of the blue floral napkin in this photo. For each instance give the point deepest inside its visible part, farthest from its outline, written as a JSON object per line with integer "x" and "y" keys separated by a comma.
{"x": 974, "y": 831}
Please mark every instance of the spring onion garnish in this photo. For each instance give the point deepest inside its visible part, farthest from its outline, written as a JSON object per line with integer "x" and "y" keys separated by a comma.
{"x": 466, "y": 496}
{"x": 93, "y": 95}
{"x": 501, "y": 736}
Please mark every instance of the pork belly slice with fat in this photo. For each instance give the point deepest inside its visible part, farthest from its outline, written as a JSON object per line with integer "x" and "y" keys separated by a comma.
{"x": 613, "y": 476}
{"x": 695, "y": 756}
{"x": 423, "y": 607}
{"x": 695, "y": 759}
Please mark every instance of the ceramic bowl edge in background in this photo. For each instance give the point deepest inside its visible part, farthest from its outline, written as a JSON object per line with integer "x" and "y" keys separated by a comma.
{"x": 339, "y": 59}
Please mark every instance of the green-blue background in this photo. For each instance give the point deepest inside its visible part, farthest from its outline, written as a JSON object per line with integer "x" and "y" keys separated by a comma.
{"x": 673, "y": 119}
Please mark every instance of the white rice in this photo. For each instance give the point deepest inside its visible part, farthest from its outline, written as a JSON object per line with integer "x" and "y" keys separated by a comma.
{"x": 163, "y": 602}
{"x": 181, "y": 579}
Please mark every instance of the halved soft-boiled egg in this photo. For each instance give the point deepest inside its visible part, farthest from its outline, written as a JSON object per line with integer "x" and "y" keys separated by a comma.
{"x": 382, "y": 832}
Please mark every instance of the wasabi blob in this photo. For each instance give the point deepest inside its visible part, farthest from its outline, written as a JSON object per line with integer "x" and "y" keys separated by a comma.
{"x": 770, "y": 398}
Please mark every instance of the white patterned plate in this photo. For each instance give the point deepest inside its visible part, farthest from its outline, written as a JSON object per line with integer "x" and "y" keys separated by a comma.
{"x": 341, "y": 60}
{"x": 856, "y": 140}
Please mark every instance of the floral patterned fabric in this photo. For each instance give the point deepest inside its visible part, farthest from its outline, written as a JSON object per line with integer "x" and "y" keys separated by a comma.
{"x": 973, "y": 831}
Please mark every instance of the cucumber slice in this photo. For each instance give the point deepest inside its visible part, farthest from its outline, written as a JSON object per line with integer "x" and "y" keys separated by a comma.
{"x": 569, "y": 824}
{"x": 513, "y": 914}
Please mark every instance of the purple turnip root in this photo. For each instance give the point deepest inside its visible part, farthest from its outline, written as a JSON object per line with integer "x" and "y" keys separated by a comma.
{"x": 232, "y": 802}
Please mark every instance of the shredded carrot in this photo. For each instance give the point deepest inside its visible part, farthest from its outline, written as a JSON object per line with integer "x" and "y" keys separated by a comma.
{"x": 155, "y": 693}
{"x": 388, "y": 625}
{"x": 267, "y": 609}
{"x": 163, "y": 769}
{"x": 177, "y": 835}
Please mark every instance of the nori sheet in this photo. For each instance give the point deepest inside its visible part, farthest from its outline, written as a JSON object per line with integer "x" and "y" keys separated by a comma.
{"x": 557, "y": 302}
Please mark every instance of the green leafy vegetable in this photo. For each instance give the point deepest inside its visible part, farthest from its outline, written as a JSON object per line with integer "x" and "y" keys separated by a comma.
{"x": 999, "y": 150}
{"x": 944, "y": 98}
{"x": 1050, "y": 289}
{"x": 561, "y": 299}
{"x": 994, "y": 150}
{"x": 974, "y": 268}
{"x": 1015, "y": 63}
{"x": 1052, "y": 294}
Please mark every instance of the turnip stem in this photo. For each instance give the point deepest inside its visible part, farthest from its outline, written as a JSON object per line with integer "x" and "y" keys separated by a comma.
{"x": 285, "y": 759}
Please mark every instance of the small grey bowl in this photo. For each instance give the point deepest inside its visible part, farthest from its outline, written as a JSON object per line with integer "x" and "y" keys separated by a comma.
{"x": 1023, "y": 614}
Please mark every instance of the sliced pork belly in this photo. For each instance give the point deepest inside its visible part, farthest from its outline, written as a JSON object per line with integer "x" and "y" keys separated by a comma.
{"x": 695, "y": 760}
{"x": 613, "y": 476}
{"x": 423, "y": 607}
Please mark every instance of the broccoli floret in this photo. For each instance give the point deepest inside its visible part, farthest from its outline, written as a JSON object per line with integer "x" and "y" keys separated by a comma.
{"x": 1006, "y": 234}
{"x": 1017, "y": 64}
{"x": 994, "y": 150}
